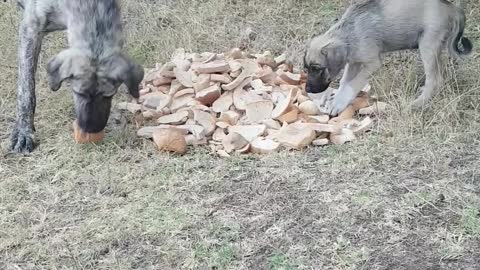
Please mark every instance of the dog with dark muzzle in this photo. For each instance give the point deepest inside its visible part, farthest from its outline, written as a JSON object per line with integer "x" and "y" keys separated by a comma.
{"x": 356, "y": 42}
{"x": 94, "y": 64}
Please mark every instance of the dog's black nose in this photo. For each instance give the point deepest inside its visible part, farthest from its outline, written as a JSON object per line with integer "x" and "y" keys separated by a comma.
{"x": 316, "y": 88}
{"x": 92, "y": 125}
{"x": 93, "y": 119}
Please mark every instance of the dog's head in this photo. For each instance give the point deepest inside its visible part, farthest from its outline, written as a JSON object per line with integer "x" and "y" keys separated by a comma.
{"x": 94, "y": 83}
{"x": 324, "y": 58}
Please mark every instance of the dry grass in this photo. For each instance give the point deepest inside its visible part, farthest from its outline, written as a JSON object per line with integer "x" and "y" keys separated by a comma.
{"x": 404, "y": 197}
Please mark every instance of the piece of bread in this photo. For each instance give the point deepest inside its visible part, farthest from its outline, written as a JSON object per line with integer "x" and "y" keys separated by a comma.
{"x": 83, "y": 137}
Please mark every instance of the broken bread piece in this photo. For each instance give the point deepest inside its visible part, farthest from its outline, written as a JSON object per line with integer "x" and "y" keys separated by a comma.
{"x": 171, "y": 140}
{"x": 84, "y": 137}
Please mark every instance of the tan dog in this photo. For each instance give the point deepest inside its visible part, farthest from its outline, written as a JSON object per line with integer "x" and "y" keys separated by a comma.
{"x": 369, "y": 29}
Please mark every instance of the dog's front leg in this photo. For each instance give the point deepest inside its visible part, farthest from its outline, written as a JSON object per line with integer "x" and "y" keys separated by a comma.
{"x": 30, "y": 35}
{"x": 353, "y": 81}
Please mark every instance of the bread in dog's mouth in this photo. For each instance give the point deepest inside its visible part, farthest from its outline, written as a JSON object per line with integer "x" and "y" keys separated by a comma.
{"x": 82, "y": 137}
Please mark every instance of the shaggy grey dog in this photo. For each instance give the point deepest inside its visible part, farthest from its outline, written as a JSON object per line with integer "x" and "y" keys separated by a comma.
{"x": 369, "y": 29}
{"x": 93, "y": 64}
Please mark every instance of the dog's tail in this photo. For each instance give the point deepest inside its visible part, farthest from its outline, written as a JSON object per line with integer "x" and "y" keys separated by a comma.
{"x": 456, "y": 39}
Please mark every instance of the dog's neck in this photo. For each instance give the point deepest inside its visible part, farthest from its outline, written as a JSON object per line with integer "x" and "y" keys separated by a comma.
{"x": 97, "y": 29}
{"x": 341, "y": 31}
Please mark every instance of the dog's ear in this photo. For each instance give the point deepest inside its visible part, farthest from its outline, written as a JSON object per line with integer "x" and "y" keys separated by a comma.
{"x": 336, "y": 57}
{"x": 66, "y": 65}
{"x": 124, "y": 70}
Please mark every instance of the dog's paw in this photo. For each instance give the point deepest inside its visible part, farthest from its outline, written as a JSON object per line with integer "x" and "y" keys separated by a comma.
{"x": 22, "y": 140}
{"x": 420, "y": 103}
{"x": 416, "y": 106}
{"x": 338, "y": 105}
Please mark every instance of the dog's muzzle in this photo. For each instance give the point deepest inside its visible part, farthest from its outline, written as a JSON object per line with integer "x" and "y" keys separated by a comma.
{"x": 92, "y": 115}
{"x": 91, "y": 124}
{"x": 317, "y": 87}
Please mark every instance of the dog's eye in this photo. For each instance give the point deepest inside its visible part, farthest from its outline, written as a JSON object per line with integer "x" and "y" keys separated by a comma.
{"x": 317, "y": 68}
{"x": 107, "y": 87}
{"x": 108, "y": 94}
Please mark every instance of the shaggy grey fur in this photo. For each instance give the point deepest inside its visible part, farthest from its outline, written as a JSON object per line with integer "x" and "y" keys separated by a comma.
{"x": 93, "y": 64}
{"x": 374, "y": 27}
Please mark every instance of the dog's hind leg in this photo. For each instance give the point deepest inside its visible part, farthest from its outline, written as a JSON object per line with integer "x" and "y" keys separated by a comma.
{"x": 30, "y": 35}
{"x": 430, "y": 50}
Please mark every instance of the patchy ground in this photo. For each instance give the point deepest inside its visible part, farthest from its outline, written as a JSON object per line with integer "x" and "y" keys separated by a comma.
{"x": 405, "y": 197}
